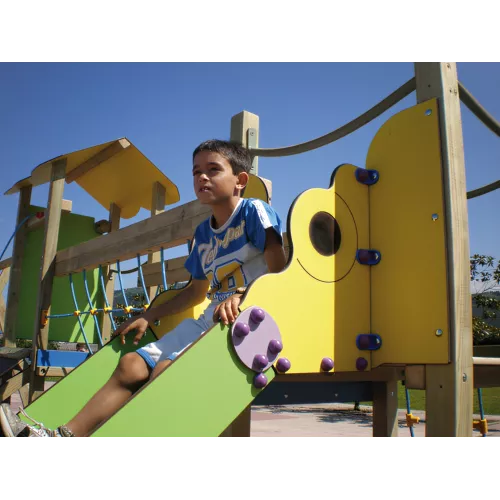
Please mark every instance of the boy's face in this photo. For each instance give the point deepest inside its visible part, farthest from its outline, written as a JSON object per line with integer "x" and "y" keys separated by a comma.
{"x": 213, "y": 178}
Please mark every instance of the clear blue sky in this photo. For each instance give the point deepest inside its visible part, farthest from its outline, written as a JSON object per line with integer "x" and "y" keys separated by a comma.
{"x": 167, "y": 109}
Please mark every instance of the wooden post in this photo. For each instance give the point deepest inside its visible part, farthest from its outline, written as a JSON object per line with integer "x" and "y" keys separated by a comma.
{"x": 241, "y": 125}
{"x": 109, "y": 282}
{"x": 157, "y": 207}
{"x": 15, "y": 273}
{"x": 245, "y": 130}
{"x": 385, "y": 409}
{"x": 449, "y": 388}
{"x": 47, "y": 269}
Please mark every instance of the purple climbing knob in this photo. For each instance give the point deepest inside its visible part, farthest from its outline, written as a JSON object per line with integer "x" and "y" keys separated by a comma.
{"x": 326, "y": 364}
{"x": 260, "y": 381}
{"x": 241, "y": 329}
{"x": 361, "y": 364}
{"x": 275, "y": 346}
{"x": 257, "y": 315}
{"x": 260, "y": 361}
{"x": 283, "y": 365}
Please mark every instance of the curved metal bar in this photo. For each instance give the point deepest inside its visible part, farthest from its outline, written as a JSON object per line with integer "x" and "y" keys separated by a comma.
{"x": 163, "y": 272}
{"x": 483, "y": 190}
{"x": 470, "y": 101}
{"x": 82, "y": 329}
{"x": 103, "y": 288}
{"x": 141, "y": 276}
{"x": 87, "y": 293}
{"x": 346, "y": 129}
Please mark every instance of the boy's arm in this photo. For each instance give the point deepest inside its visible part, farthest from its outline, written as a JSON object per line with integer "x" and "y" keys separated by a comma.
{"x": 188, "y": 297}
{"x": 274, "y": 255}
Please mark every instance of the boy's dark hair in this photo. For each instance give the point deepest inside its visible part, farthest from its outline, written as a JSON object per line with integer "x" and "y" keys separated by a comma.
{"x": 237, "y": 155}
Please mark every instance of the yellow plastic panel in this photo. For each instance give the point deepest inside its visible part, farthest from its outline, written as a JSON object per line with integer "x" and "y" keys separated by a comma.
{"x": 409, "y": 285}
{"x": 125, "y": 179}
{"x": 256, "y": 189}
{"x": 303, "y": 299}
{"x": 168, "y": 323}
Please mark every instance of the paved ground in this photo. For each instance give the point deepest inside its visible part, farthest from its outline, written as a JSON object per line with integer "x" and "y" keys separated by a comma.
{"x": 325, "y": 420}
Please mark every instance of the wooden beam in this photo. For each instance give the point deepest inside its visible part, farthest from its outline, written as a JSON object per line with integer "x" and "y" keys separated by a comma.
{"x": 241, "y": 124}
{"x": 415, "y": 376}
{"x": 103, "y": 155}
{"x": 47, "y": 269}
{"x": 14, "y": 293}
{"x": 36, "y": 222}
{"x": 157, "y": 207}
{"x": 385, "y": 409}
{"x": 109, "y": 282}
{"x": 4, "y": 264}
{"x": 169, "y": 229}
{"x": 449, "y": 387}
{"x": 13, "y": 384}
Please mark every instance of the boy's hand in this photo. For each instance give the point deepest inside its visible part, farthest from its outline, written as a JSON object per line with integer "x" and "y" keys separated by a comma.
{"x": 227, "y": 311}
{"x": 139, "y": 323}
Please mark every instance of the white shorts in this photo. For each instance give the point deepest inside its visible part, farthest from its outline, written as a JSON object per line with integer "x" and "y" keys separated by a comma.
{"x": 178, "y": 339}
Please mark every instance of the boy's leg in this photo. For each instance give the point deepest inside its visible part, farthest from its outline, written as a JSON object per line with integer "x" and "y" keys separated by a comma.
{"x": 131, "y": 373}
{"x": 161, "y": 366}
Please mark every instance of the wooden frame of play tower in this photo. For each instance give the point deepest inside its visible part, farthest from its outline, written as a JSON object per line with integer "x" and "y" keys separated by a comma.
{"x": 449, "y": 387}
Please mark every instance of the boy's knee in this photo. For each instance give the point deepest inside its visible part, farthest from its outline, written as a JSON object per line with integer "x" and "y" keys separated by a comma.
{"x": 132, "y": 369}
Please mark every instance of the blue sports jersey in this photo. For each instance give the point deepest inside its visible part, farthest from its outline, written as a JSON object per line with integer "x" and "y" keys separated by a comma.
{"x": 233, "y": 255}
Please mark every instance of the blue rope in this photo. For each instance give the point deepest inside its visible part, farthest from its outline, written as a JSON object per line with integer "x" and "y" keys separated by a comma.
{"x": 96, "y": 322}
{"x": 19, "y": 226}
{"x": 163, "y": 272}
{"x": 141, "y": 275}
{"x": 408, "y": 410}
{"x": 103, "y": 288}
{"x": 121, "y": 285}
{"x": 72, "y": 286}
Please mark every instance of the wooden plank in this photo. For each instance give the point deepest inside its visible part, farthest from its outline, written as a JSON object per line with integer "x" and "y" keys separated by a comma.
{"x": 449, "y": 387}
{"x": 169, "y": 229}
{"x": 13, "y": 384}
{"x": 6, "y": 263}
{"x": 385, "y": 409}
{"x": 240, "y": 125}
{"x": 47, "y": 268}
{"x": 415, "y": 376}
{"x": 17, "y": 262}
{"x": 103, "y": 155}
{"x": 109, "y": 282}
{"x": 54, "y": 371}
{"x": 157, "y": 207}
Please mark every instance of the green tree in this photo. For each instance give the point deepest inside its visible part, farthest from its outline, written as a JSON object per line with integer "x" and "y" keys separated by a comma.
{"x": 485, "y": 288}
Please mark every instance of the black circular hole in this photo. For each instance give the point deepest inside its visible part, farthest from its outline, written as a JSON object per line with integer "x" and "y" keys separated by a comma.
{"x": 325, "y": 234}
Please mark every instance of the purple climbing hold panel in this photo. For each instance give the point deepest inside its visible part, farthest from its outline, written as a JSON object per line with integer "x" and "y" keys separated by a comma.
{"x": 259, "y": 348}
{"x": 326, "y": 364}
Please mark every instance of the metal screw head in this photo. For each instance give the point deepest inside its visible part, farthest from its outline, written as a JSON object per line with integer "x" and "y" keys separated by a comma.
{"x": 428, "y": 112}
{"x": 435, "y": 216}
{"x": 464, "y": 377}
{"x": 439, "y": 332}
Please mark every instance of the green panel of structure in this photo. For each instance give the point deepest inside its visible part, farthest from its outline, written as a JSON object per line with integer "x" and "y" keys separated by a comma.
{"x": 74, "y": 229}
{"x": 63, "y": 400}
{"x": 200, "y": 394}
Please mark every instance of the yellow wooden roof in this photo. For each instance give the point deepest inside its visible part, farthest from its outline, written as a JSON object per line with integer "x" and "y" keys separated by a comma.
{"x": 126, "y": 178}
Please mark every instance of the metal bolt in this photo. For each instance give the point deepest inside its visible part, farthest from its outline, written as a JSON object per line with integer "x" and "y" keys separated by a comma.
{"x": 439, "y": 333}
{"x": 435, "y": 216}
{"x": 428, "y": 112}
{"x": 464, "y": 377}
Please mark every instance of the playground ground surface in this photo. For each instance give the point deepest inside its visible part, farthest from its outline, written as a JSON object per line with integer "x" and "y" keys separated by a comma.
{"x": 322, "y": 420}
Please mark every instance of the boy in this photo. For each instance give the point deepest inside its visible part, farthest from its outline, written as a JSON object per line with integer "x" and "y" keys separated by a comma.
{"x": 237, "y": 244}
